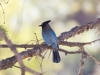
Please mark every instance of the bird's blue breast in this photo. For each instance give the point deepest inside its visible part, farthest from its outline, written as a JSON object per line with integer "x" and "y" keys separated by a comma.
{"x": 50, "y": 38}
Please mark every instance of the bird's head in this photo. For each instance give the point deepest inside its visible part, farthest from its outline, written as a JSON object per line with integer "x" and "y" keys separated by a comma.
{"x": 45, "y": 23}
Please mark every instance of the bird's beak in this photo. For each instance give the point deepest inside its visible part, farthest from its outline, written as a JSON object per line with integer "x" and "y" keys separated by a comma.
{"x": 40, "y": 25}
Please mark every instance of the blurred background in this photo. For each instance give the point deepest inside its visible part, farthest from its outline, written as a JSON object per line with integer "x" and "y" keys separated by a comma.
{"x": 22, "y": 18}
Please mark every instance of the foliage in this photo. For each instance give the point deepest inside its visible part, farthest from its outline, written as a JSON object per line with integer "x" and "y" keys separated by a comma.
{"x": 4, "y": 30}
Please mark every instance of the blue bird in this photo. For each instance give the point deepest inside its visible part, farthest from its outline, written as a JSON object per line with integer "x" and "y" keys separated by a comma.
{"x": 50, "y": 38}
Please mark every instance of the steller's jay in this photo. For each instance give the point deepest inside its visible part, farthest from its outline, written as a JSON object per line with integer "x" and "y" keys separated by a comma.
{"x": 50, "y": 38}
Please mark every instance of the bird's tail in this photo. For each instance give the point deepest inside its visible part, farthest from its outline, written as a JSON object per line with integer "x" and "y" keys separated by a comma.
{"x": 56, "y": 56}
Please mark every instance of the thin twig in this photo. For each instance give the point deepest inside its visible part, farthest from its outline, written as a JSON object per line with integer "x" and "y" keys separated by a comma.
{"x": 81, "y": 65}
{"x": 37, "y": 41}
{"x": 80, "y": 68}
{"x": 96, "y": 61}
{"x": 3, "y": 12}
{"x": 64, "y": 43}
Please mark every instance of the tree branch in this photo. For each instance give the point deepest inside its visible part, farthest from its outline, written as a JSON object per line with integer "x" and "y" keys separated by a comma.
{"x": 17, "y": 56}
{"x": 38, "y": 49}
{"x": 80, "y": 29}
{"x": 64, "y": 43}
{"x": 9, "y": 62}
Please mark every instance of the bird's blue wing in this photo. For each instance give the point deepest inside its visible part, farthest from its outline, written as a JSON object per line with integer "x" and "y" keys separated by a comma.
{"x": 50, "y": 38}
{"x": 53, "y": 33}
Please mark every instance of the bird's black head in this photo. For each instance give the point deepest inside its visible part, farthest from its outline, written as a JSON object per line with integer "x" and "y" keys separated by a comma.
{"x": 45, "y": 23}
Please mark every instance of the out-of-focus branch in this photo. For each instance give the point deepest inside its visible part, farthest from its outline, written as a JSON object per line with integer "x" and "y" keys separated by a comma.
{"x": 3, "y": 12}
{"x": 17, "y": 56}
{"x": 80, "y": 29}
{"x": 96, "y": 61}
{"x": 81, "y": 65}
{"x": 11, "y": 46}
{"x": 80, "y": 69}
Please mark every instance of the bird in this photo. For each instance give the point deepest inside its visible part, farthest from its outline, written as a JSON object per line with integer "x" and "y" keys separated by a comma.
{"x": 50, "y": 39}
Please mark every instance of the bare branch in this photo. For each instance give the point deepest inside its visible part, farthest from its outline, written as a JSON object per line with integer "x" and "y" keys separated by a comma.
{"x": 80, "y": 29}
{"x": 77, "y": 44}
{"x": 38, "y": 49}
{"x": 3, "y": 12}
{"x": 17, "y": 56}
{"x": 80, "y": 68}
{"x": 32, "y": 71}
{"x": 9, "y": 43}
{"x": 9, "y": 62}
{"x": 64, "y": 43}
{"x": 81, "y": 65}
{"x": 96, "y": 61}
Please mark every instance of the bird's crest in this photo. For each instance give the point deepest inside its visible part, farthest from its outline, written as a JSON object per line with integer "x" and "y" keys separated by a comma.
{"x": 44, "y": 23}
